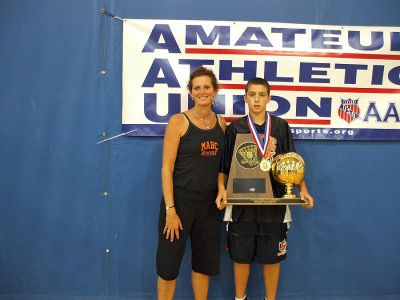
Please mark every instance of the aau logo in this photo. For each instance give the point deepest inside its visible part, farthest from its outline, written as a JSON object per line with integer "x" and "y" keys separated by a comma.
{"x": 349, "y": 110}
{"x": 282, "y": 248}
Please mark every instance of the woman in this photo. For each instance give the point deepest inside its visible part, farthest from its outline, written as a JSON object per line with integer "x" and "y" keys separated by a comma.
{"x": 193, "y": 145}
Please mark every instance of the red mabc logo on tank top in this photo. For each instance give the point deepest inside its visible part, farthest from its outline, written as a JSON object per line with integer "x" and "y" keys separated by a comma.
{"x": 209, "y": 148}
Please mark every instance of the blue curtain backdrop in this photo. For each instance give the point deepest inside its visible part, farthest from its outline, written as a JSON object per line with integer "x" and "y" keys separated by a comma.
{"x": 62, "y": 237}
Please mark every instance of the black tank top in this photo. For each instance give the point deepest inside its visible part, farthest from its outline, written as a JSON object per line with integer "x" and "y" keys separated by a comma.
{"x": 198, "y": 159}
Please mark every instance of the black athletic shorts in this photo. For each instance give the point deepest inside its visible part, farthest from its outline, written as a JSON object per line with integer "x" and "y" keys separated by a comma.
{"x": 265, "y": 243}
{"x": 201, "y": 221}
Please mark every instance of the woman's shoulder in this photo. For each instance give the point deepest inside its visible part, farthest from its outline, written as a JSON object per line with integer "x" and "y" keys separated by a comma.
{"x": 178, "y": 123}
{"x": 221, "y": 121}
{"x": 177, "y": 118}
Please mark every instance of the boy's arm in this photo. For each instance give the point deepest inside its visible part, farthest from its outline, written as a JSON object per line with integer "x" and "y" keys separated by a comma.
{"x": 230, "y": 137}
{"x": 222, "y": 195}
{"x": 305, "y": 195}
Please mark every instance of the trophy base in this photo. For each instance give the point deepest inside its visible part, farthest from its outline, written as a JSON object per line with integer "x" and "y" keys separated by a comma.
{"x": 265, "y": 201}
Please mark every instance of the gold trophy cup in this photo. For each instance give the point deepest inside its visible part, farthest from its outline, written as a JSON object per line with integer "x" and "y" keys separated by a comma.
{"x": 288, "y": 169}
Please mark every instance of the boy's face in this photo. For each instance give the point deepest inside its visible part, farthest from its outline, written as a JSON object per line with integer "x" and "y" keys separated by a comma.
{"x": 257, "y": 98}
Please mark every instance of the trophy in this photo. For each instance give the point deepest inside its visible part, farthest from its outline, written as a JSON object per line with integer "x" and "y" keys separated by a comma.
{"x": 249, "y": 181}
{"x": 288, "y": 169}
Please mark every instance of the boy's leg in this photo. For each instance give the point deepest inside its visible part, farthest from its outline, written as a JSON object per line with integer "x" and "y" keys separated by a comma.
{"x": 241, "y": 272}
{"x": 200, "y": 285}
{"x": 241, "y": 245}
{"x": 271, "y": 250}
{"x": 165, "y": 289}
{"x": 271, "y": 279}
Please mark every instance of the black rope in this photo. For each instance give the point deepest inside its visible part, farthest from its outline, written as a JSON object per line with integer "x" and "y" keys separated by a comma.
{"x": 107, "y": 13}
{"x": 108, "y": 274}
{"x": 105, "y": 192}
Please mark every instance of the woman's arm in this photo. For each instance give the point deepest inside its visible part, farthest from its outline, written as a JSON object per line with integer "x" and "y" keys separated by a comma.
{"x": 175, "y": 129}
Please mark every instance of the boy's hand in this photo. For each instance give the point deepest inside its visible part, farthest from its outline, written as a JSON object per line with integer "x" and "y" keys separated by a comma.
{"x": 221, "y": 199}
{"x": 309, "y": 199}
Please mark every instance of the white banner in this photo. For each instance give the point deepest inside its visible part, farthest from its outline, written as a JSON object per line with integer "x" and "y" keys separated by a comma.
{"x": 328, "y": 82}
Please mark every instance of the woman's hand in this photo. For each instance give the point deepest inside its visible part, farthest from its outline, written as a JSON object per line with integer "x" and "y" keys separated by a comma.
{"x": 172, "y": 225}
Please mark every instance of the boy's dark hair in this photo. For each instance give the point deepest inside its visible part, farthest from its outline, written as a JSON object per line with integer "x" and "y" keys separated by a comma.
{"x": 259, "y": 81}
{"x": 202, "y": 71}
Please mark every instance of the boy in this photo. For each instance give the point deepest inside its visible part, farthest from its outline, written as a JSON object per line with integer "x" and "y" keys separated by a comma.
{"x": 258, "y": 232}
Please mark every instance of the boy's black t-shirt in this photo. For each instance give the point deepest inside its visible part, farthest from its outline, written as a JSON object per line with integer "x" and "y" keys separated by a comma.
{"x": 280, "y": 142}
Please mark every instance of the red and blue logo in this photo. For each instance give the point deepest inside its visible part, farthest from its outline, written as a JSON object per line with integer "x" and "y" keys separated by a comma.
{"x": 349, "y": 110}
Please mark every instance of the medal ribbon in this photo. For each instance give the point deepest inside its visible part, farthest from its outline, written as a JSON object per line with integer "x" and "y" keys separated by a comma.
{"x": 261, "y": 145}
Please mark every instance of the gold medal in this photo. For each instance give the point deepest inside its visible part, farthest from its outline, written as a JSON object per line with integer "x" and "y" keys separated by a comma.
{"x": 265, "y": 165}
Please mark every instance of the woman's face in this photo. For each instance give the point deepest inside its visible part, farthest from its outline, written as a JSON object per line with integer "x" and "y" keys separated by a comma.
{"x": 203, "y": 92}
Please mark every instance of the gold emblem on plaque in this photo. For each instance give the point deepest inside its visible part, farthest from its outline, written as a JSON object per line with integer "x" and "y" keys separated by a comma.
{"x": 247, "y": 156}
